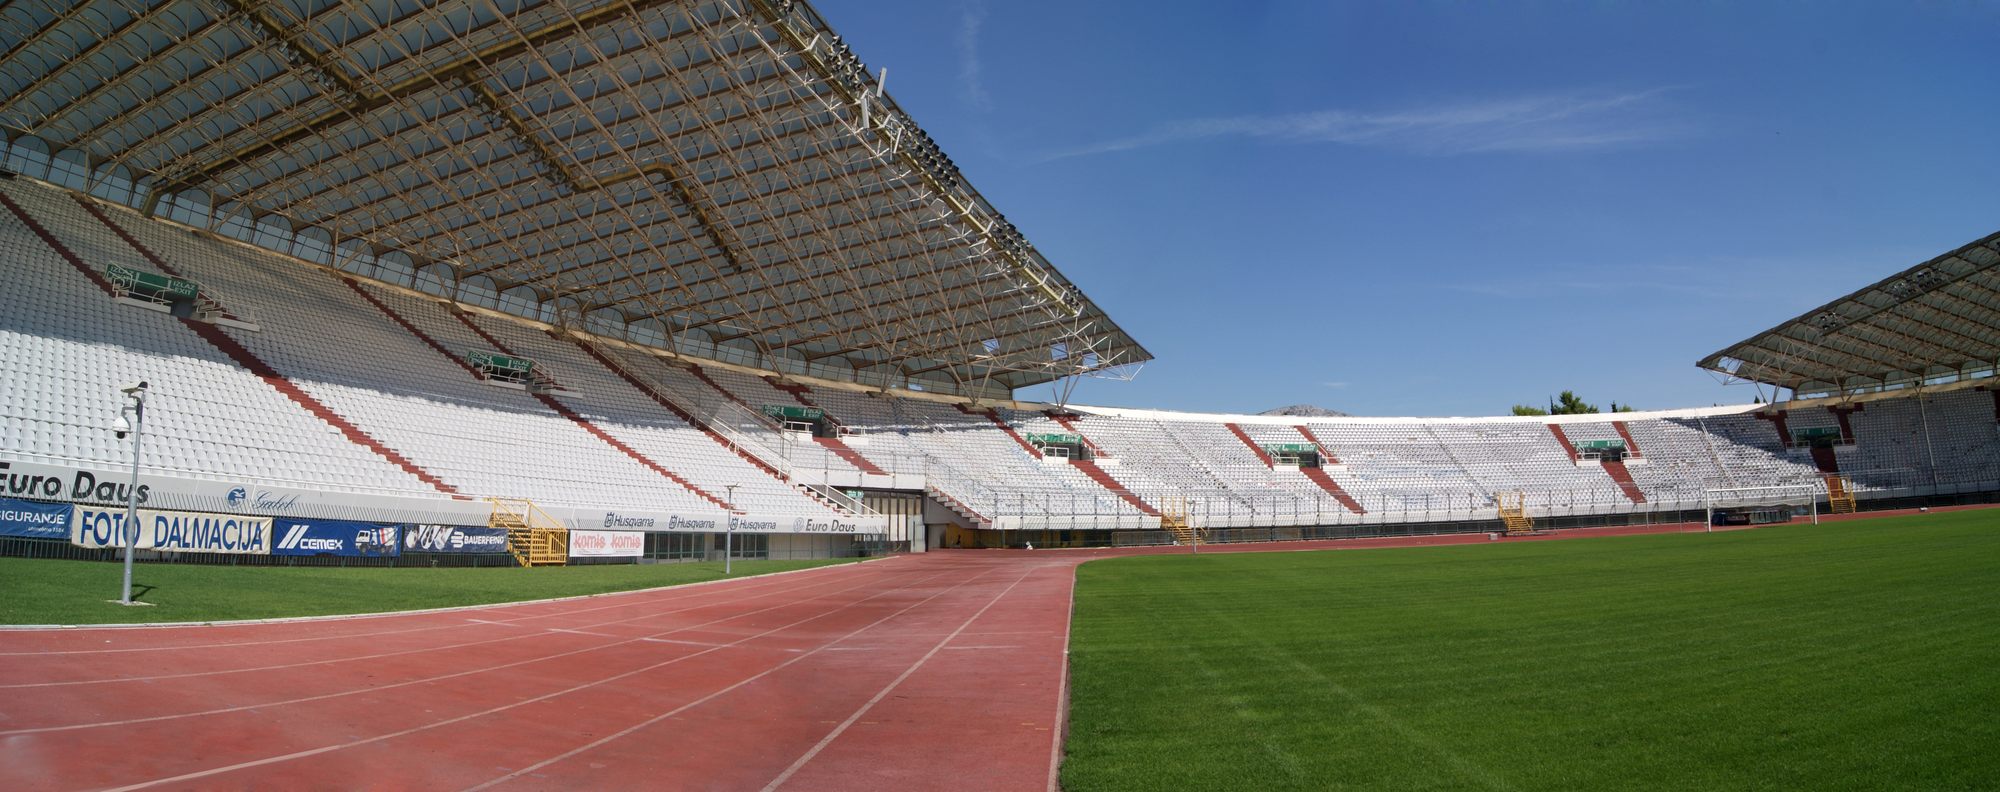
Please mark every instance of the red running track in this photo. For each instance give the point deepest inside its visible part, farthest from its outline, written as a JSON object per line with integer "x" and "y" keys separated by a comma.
{"x": 937, "y": 671}
{"x": 834, "y": 678}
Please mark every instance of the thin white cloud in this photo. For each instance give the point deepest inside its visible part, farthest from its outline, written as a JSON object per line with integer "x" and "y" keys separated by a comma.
{"x": 1335, "y": 385}
{"x": 1549, "y": 123}
{"x": 1708, "y": 278}
{"x": 972, "y": 17}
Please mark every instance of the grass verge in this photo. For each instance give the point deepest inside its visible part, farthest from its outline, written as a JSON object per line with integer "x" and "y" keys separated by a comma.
{"x": 1854, "y": 655}
{"x": 38, "y": 591}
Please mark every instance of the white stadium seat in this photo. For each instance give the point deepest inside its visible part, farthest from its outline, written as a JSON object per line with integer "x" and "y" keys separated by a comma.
{"x": 68, "y": 346}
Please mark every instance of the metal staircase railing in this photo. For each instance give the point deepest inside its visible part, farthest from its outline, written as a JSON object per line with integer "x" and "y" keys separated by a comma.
{"x": 1178, "y": 519}
{"x": 1840, "y": 495}
{"x": 840, "y": 500}
{"x": 1514, "y": 512}
{"x": 754, "y": 431}
{"x": 958, "y": 489}
{"x": 533, "y": 537}
{"x": 962, "y": 491}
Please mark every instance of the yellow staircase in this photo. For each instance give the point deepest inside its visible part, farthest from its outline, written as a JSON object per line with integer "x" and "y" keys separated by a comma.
{"x": 1840, "y": 494}
{"x": 535, "y": 538}
{"x": 1514, "y": 513}
{"x": 1177, "y": 519}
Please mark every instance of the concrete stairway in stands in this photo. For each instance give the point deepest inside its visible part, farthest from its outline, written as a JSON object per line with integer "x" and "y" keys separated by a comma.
{"x": 945, "y": 499}
{"x": 1068, "y": 423}
{"x": 1563, "y": 438}
{"x": 1619, "y": 474}
{"x": 853, "y": 457}
{"x": 839, "y": 447}
{"x": 1326, "y": 456}
{"x": 1089, "y": 468}
{"x": 1262, "y": 455}
{"x": 1004, "y": 427}
{"x": 1624, "y": 478}
{"x": 1333, "y": 488}
{"x": 1098, "y": 475}
{"x": 1625, "y": 433}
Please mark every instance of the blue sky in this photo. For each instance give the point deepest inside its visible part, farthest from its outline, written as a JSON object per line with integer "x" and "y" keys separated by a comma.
{"x": 1448, "y": 208}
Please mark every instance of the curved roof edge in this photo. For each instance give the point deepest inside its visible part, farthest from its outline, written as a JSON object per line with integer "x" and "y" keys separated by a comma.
{"x": 1294, "y": 420}
{"x": 726, "y": 174}
{"x": 1932, "y": 322}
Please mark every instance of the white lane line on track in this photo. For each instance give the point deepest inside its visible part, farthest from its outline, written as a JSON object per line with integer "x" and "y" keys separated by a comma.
{"x": 637, "y": 596}
{"x": 1060, "y": 726}
{"x": 424, "y": 680}
{"x": 462, "y": 718}
{"x": 229, "y": 645}
{"x": 278, "y": 667}
{"x": 712, "y": 696}
{"x": 308, "y": 639}
{"x": 580, "y": 632}
{"x": 763, "y": 591}
{"x": 884, "y": 692}
{"x": 681, "y": 642}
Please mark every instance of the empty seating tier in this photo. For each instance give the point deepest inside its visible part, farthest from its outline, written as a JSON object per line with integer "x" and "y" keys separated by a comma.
{"x": 344, "y": 384}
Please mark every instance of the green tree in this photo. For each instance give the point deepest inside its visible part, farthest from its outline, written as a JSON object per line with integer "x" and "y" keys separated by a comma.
{"x": 1570, "y": 404}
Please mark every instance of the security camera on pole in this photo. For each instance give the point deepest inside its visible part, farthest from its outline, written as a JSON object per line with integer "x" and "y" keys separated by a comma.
{"x": 729, "y": 533}
{"x": 132, "y": 421}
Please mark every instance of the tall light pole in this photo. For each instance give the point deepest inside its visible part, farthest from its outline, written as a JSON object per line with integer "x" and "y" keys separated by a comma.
{"x": 1194, "y": 533}
{"x": 132, "y": 420}
{"x": 729, "y": 534}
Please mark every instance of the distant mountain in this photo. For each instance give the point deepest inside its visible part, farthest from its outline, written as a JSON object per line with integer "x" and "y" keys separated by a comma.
{"x": 1306, "y": 411}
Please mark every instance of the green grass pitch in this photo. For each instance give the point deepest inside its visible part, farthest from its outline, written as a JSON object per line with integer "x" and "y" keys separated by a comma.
{"x": 40, "y": 591}
{"x": 1852, "y": 655}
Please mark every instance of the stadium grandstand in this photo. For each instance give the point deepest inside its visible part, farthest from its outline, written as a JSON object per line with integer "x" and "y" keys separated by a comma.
{"x": 1928, "y": 326}
{"x": 648, "y": 287}
{"x": 675, "y": 270}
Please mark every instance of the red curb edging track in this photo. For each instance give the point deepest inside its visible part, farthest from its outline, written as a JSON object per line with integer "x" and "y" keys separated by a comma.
{"x": 853, "y": 677}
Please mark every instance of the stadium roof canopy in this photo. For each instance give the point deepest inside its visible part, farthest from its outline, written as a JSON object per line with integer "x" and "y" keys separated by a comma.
{"x": 728, "y": 170}
{"x": 1937, "y": 321}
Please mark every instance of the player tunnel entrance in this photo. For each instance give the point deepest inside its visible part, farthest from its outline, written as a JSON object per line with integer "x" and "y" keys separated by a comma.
{"x": 1301, "y": 455}
{"x": 1060, "y": 445}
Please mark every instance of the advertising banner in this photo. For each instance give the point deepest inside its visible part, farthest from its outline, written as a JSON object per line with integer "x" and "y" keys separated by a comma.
{"x": 606, "y": 544}
{"x": 181, "y": 532}
{"x": 454, "y": 539}
{"x": 335, "y": 537}
{"x": 649, "y": 521}
{"x": 34, "y": 520}
{"x": 110, "y": 486}
{"x": 716, "y": 522}
{"x": 834, "y": 525}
